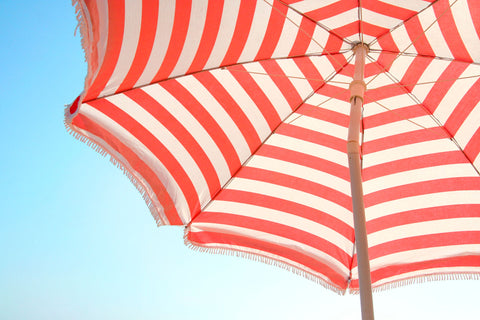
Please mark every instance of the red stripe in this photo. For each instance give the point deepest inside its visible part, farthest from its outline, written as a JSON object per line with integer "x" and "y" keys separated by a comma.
{"x": 206, "y": 120}
{"x": 474, "y": 8}
{"x": 387, "y": 91}
{"x": 472, "y": 149}
{"x": 423, "y": 161}
{"x": 240, "y": 35}
{"x": 422, "y": 215}
{"x": 390, "y": 10}
{"x": 304, "y": 37}
{"x": 313, "y": 136}
{"x": 116, "y": 19}
{"x": 177, "y": 39}
{"x": 424, "y": 241}
{"x": 222, "y": 240}
{"x": 136, "y": 163}
{"x": 284, "y": 84}
{"x": 462, "y": 110}
{"x": 299, "y": 184}
{"x": 404, "y": 139}
{"x": 415, "y": 71}
{"x": 450, "y": 32}
{"x": 443, "y": 85}
{"x": 324, "y": 114}
{"x": 282, "y": 205}
{"x": 145, "y": 44}
{"x": 420, "y": 42}
{"x": 277, "y": 229}
{"x": 184, "y": 137}
{"x": 332, "y": 91}
{"x": 387, "y": 43}
{"x": 273, "y": 32}
{"x": 258, "y": 96}
{"x": 422, "y": 188}
{"x": 92, "y": 52}
{"x": 231, "y": 107}
{"x": 155, "y": 146}
{"x": 373, "y": 30}
{"x": 347, "y": 30}
{"x": 333, "y": 46}
{"x": 392, "y": 116}
{"x": 304, "y": 159}
{"x": 209, "y": 35}
{"x": 310, "y": 71}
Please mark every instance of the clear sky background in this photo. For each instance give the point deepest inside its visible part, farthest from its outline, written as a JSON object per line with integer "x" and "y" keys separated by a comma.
{"x": 78, "y": 242}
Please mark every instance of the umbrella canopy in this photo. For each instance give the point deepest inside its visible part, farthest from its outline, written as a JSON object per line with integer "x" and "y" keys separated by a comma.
{"x": 231, "y": 118}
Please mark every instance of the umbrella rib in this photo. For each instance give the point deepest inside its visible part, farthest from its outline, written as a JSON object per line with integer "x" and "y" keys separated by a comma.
{"x": 285, "y": 76}
{"x": 411, "y": 54}
{"x": 400, "y": 24}
{"x": 413, "y": 42}
{"x": 299, "y": 28}
{"x": 360, "y": 20}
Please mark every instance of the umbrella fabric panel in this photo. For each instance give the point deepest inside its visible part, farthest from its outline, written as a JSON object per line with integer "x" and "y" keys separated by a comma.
{"x": 134, "y": 43}
{"x": 188, "y": 136}
{"x": 342, "y": 17}
{"x": 290, "y": 203}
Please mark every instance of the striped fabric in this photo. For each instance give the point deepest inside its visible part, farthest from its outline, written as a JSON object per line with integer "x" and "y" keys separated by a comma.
{"x": 231, "y": 118}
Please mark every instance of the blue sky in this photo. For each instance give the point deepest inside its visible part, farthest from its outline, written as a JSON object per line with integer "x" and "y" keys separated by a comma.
{"x": 78, "y": 242}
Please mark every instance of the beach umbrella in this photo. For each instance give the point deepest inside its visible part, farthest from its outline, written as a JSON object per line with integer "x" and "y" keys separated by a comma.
{"x": 337, "y": 139}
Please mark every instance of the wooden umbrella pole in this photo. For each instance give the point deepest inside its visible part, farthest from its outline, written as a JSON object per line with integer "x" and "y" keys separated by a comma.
{"x": 357, "y": 89}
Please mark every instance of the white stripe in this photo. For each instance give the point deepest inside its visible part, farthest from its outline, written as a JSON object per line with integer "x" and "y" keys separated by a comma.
{"x": 243, "y": 100}
{"x": 310, "y": 5}
{"x": 390, "y": 103}
{"x": 219, "y": 114}
{"x": 277, "y": 240}
{"x": 293, "y": 195}
{"x": 131, "y": 35}
{"x": 288, "y": 35}
{"x": 283, "y": 218}
{"x": 419, "y": 175}
{"x": 319, "y": 39}
{"x": 409, "y": 5}
{"x": 291, "y": 69}
{"x": 466, "y": 29}
{"x": 146, "y": 155}
{"x": 400, "y": 67}
{"x": 168, "y": 139}
{"x": 322, "y": 126}
{"x": 177, "y": 110}
{"x": 302, "y": 172}
{"x": 378, "y": 19}
{"x": 451, "y": 100}
{"x": 431, "y": 200}
{"x": 166, "y": 14}
{"x": 468, "y": 127}
{"x": 198, "y": 15}
{"x": 402, "y": 39}
{"x": 423, "y": 228}
{"x": 398, "y": 127}
{"x": 257, "y": 32}
{"x": 407, "y": 151}
{"x": 310, "y": 148}
{"x": 434, "y": 35}
{"x": 225, "y": 33}
{"x": 332, "y": 104}
{"x": 270, "y": 89}
{"x": 432, "y": 73}
{"x": 341, "y": 19}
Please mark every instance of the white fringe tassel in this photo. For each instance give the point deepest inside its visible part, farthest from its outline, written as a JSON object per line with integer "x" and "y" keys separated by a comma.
{"x": 263, "y": 259}
{"x": 99, "y": 149}
{"x": 422, "y": 279}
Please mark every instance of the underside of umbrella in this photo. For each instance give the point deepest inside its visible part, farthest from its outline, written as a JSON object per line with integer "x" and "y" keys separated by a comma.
{"x": 231, "y": 118}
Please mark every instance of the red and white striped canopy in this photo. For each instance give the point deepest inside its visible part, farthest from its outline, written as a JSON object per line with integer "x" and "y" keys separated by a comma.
{"x": 231, "y": 117}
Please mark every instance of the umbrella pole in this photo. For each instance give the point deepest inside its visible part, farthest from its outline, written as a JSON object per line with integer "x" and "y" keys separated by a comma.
{"x": 357, "y": 89}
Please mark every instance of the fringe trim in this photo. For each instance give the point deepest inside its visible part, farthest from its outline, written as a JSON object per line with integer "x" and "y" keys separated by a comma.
{"x": 261, "y": 258}
{"x": 422, "y": 279}
{"x": 139, "y": 185}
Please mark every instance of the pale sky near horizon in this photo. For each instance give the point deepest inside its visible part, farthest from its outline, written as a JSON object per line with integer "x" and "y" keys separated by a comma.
{"x": 78, "y": 242}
